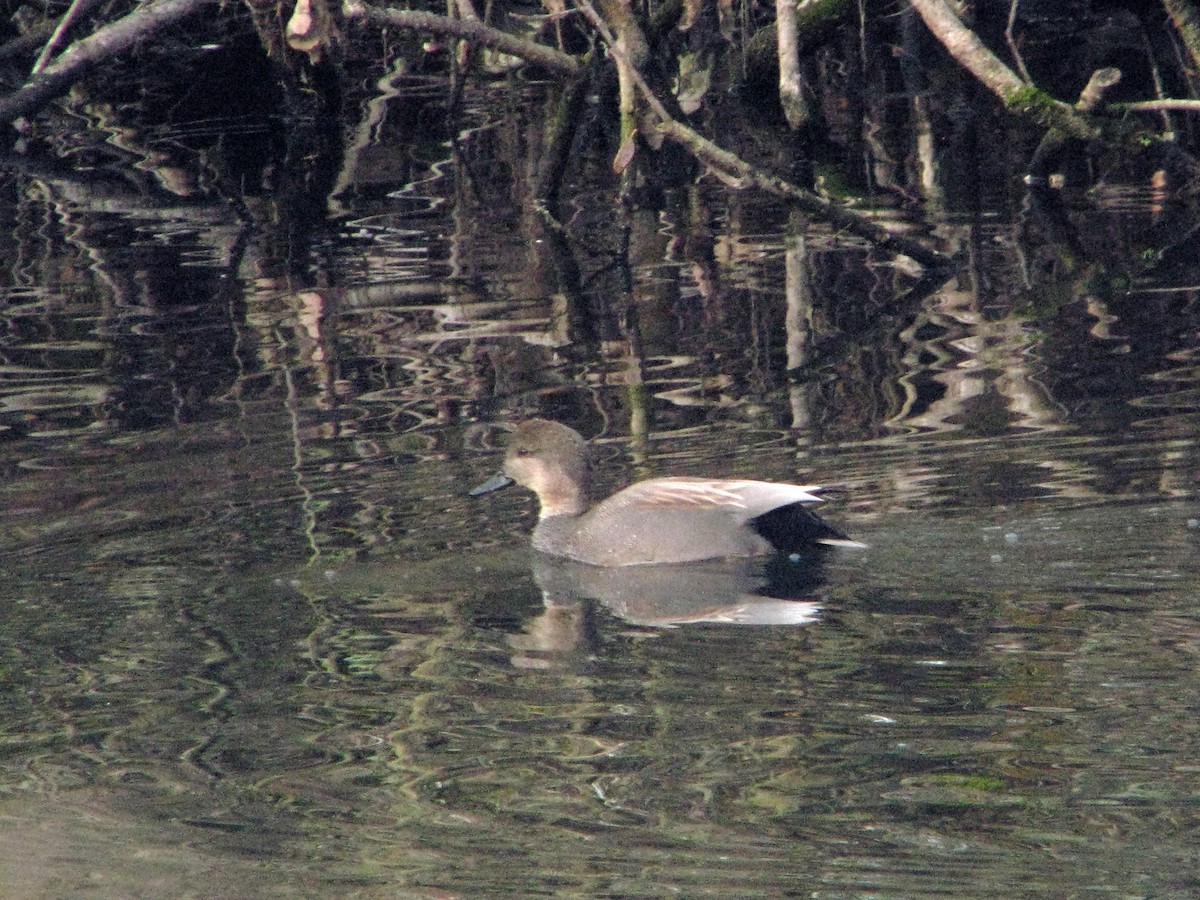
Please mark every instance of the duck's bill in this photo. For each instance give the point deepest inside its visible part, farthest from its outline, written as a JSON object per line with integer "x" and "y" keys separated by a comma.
{"x": 497, "y": 481}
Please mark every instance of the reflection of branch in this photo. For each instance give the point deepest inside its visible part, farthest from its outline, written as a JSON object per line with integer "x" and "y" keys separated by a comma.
{"x": 732, "y": 168}
{"x": 966, "y": 47}
{"x": 797, "y": 322}
{"x": 109, "y": 41}
{"x": 469, "y": 30}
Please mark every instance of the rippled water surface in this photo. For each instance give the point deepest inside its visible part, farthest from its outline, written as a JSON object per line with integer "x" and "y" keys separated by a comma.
{"x": 256, "y": 640}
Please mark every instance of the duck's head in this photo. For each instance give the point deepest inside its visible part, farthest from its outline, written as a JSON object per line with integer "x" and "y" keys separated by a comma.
{"x": 549, "y": 458}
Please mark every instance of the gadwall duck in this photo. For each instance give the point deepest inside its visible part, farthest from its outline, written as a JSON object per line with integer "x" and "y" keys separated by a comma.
{"x": 662, "y": 520}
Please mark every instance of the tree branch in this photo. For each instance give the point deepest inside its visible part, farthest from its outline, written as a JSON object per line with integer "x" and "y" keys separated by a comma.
{"x": 966, "y": 47}
{"x": 1156, "y": 105}
{"x": 77, "y": 9}
{"x": 732, "y": 168}
{"x": 791, "y": 88}
{"x": 1055, "y": 139}
{"x": 107, "y": 42}
{"x": 1187, "y": 23}
{"x": 469, "y": 30}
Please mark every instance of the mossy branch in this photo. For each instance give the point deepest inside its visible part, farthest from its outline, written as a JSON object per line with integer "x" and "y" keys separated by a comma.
{"x": 1017, "y": 95}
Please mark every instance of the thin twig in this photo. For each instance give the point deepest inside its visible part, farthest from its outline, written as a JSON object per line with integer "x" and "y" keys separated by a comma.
{"x": 1012, "y": 44}
{"x": 77, "y": 8}
{"x": 1159, "y": 89}
{"x": 1156, "y": 105}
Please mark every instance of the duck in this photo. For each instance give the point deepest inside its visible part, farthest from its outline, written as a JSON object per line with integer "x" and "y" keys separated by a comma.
{"x": 657, "y": 521}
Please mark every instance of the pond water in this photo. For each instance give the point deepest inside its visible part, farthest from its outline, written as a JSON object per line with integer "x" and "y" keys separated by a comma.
{"x": 257, "y": 641}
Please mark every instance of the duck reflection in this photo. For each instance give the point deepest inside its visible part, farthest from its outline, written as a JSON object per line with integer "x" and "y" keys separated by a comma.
{"x": 778, "y": 590}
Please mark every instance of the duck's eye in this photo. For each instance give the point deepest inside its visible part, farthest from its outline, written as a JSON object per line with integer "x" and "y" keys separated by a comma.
{"x": 522, "y": 451}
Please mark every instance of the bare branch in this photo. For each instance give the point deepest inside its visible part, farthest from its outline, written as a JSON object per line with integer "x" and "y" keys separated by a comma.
{"x": 77, "y": 9}
{"x": 731, "y": 168}
{"x": 791, "y": 88}
{"x": 469, "y": 30}
{"x": 1055, "y": 138}
{"x": 966, "y": 47}
{"x": 107, "y": 43}
{"x": 1156, "y": 105}
{"x": 1187, "y": 23}
{"x": 1093, "y": 92}
{"x": 1012, "y": 42}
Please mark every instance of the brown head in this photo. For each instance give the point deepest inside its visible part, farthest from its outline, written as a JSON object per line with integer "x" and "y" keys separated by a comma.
{"x": 550, "y": 459}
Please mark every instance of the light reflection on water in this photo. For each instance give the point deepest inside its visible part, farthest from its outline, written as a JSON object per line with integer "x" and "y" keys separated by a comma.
{"x": 1002, "y": 691}
{"x": 255, "y": 635}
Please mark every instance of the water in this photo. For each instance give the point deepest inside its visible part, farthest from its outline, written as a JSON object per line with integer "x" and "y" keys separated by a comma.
{"x": 257, "y": 641}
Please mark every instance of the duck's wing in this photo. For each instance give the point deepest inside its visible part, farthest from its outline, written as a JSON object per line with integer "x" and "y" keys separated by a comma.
{"x": 744, "y": 500}
{"x": 775, "y": 512}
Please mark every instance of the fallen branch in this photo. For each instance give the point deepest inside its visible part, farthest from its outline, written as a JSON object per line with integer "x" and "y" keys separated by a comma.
{"x": 731, "y": 168}
{"x": 471, "y": 30}
{"x": 106, "y": 43}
